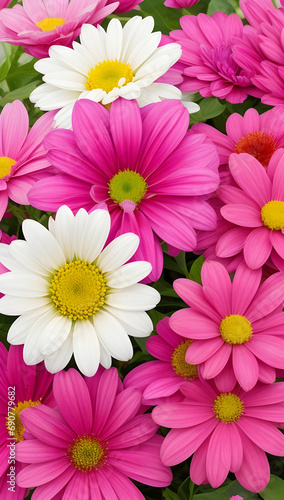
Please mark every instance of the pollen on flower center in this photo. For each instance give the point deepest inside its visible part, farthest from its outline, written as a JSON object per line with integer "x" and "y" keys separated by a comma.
{"x": 15, "y": 419}
{"x": 257, "y": 144}
{"x": 106, "y": 75}
{"x": 127, "y": 185}
{"x": 87, "y": 453}
{"x": 228, "y": 407}
{"x": 180, "y": 366}
{"x": 6, "y": 164}
{"x": 78, "y": 290}
{"x": 50, "y": 23}
{"x": 272, "y": 214}
{"x": 235, "y": 329}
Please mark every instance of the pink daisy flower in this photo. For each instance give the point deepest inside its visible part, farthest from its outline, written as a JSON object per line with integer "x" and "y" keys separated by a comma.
{"x": 124, "y": 5}
{"x": 21, "y": 387}
{"x": 209, "y": 68}
{"x": 49, "y": 22}
{"x": 163, "y": 377}
{"x": 236, "y": 327}
{"x": 141, "y": 164}
{"x": 92, "y": 443}
{"x": 22, "y": 155}
{"x": 180, "y": 4}
{"x": 256, "y": 208}
{"x": 226, "y": 431}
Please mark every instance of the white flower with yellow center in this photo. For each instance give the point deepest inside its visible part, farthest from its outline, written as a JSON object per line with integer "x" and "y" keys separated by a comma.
{"x": 72, "y": 295}
{"x": 120, "y": 62}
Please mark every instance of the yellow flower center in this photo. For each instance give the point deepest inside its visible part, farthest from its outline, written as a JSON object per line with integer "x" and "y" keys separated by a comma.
{"x": 228, "y": 407}
{"x": 272, "y": 215}
{"x": 14, "y": 424}
{"x": 127, "y": 185}
{"x": 236, "y": 329}
{"x": 86, "y": 453}
{"x": 6, "y": 164}
{"x": 180, "y": 366}
{"x": 50, "y": 23}
{"x": 78, "y": 290}
{"x": 257, "y": 144}
{"x": 106, "y": 75}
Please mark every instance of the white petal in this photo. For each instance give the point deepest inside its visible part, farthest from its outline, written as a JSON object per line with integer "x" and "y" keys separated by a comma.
{"x": 95, "y": 237}
{"x": 19, "y": 329}
{"x": 40, "y": 65}
{"x": 119, "y": 251}
{"x": 66, "y": 79}
{"x": 134, "y": 298}
{"x": 22, "y": 252}
{"x": 63, "y": 118}
{"x": 63, "y": 230}
{"x": 93, "y": 40}
{"x": 96, "y": 95}
{"x": 86, "y": 348}
{"x": 55, "y": 334}
{"x": 113, "y": 336}
{"x": 135, "y": 31}
{"x": 7, "y": 260}
{"x": 129, "y": 274}
{"x": 159, "y": 62}
{"x": 135, "y": 323}
{"x": 24, "y": 285}
{"x": 113, "y": 41}
{"x": 105, "y": 358}
{"x": 57, "y": 99}
{"x": 61, "y": 357}
{"x": 40, "y": 92}
{"x": 64, "y": 56}
{"x": 14, "y": 306}
{"x": 36, "y": 336}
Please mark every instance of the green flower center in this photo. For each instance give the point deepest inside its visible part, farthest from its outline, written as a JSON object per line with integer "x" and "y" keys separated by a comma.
{"x": 127, "y": 185}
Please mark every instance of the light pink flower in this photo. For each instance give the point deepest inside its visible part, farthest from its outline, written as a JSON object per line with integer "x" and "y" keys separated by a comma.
{"x": 37, "y": 26}
{"x": 141, "y": 164}
{"x": 226, "y": 431}
{"x": 124, "y": 5}
{"x": 180, "y": 4}
{"x": 92, "y": 443}
{"x": 207, "y": 45}
{"x": 22, "y": 155}
{"x": 21, "y": 387}
{"x": 236, "y": 326}
{"x": 162, "y": 378}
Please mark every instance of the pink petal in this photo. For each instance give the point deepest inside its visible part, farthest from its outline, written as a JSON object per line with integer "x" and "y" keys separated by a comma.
{"x": 219, "y": 455}
{"x": 37, "y": 474}
{"x": 126, "y": 129}
{"x": 192, "y": 294}
{"x": 125, "y": 407}
{"x": 268, "y": 297}
{"x": 263, "y": 434}
{"x": 226, "y": 380}
{"x": 277, "y": 240}
{"x": 53, "y": 488}
{"x": 214, "y": 276}
{"x": 192, "y": 324}
{"x": 162, "y": 388}
{"x": 254, "y": 472}
{"x": 198, "y": 464}
{"x": 245, "y": 367}
{"x": 217, "y": 362}
{"x": 232, "y": 242}
{"x": 201, "y": 350}
{"x": 267, "y": 374}
{"x": 251, "y": 177}
{"x": 122, "y": 486}
{"x": 269, "y": 349}
{"x": 181, "y": 415}
{"x": 242, "y": 215}
{"x": 34, "y": 451}
{"x": 77, "y": 486}
{"x": 161, "y": 350}
{"x": 272, "y": 413}
{"x": 244, "y": 288}
{"x": 132, "y": 433}
{"x": 257, "y": 248}
{"x": 105, "y": 397}
{"x": 14, "y": 126}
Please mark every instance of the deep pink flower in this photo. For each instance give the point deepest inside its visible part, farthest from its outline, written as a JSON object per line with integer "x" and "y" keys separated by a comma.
{"x": 236, "y": 326}
{"x": 141, "y": 164}
{"x": 180, "y": 4}
{"x": 22, "y": 155}
{"x": 163, "y": 377}
{"x": 207, "y": 44}
{"x": 49, "y": 22}
{"x": 21, "y": 386}
{"x": 92, "y": 443}
{"x": 226, "y": 431}
{"x": 4, "y": 3}
{"x": 124, "y": 5}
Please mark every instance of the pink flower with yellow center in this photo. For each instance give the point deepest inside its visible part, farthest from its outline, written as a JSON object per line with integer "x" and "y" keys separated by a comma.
{"x": 92, "y": 443}
{"x": 226, "y": 431}
{"x": 236, "y": 327}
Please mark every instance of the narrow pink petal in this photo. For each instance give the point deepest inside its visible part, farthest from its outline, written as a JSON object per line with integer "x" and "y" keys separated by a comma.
{"x": 105, "y": 397}
{"x": 53, "y": 488}
{"x": 144, "y": 374}
{"x": 217, "y": 362}
{"x": 251, "y": 177}
{"x": 181, "y": 415}
{"x": 242, "y": 215}
{"x": 105, "y": 490}
{"x": 202, "y": 393}
{"x": 254, "y": 472}
{"x": 233, "y": 435}
{"x": 278, "y": 181}
{"x": 201, "y": 350}
{"x": 14, "y": 126}
{"x": 197, "y": 469}
{"x": 136, "y": 431}
{"x": 263, "y": 434}
{"x": 226, "y": 380}
{"x": 265, "y": 395}
{"x": 123, "y": 487}
{"x": 192, "y": 324}
{"x": 126, "y": 129}
{"x": 125, "y": 407}
{"x": 33, "y": 451}
{"x": 257, "y": 247}
{"x": 244, "y": 287}
{"x": 268, "y": 297}
{"x": 164, "y": 387}
{"x": 166, "y": 333}
{"x": 214, "y": 276}
{"x": 77, "y": 486}
{"x": 277, "y": 240}
{"x": 219, "y": 455}
{"x": 272, "y": 413}
{"x": 37, "y": 474}
{"x": 267, "y": 374}
{"x": 245, "y": 367}
{"x": 159, "y": 349}
{"x": 232, "y": 242}
{"x": 192, "y": 294}
{"x": 268, "y": 348}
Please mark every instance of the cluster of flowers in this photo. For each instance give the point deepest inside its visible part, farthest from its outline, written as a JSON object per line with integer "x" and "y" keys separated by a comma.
{"x": 114, "y": 159}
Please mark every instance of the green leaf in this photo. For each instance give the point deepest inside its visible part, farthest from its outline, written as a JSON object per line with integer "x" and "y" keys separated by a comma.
{"x": 220, "y": 5}
{"x": 181, "y": 261}
{"x": 164, "y": 288}
{"x": 170, "y": 495}
{"x": 274, "y": 490}
{"x": 183, "y": 491}
{"x": 166, "y": 19}
{"x": 4, "y": 69}
{"x": 21, "y": 93}
{"x": 195, "y": 270}
{"x": 209, "y": 108}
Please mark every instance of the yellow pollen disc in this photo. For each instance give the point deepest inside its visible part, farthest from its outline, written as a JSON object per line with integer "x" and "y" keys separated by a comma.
{"x": 257, "y": 144}
{"x": 15, "y": 419}
{"x": 106, "y": 75}
{"x": 180, "y": 366}
{"x": 127, "y": 185}
{"x": 78, "y": 290}
{"x": 86, "y": 453}
{"x": 272, "y": 215}
{"x": 50, "y": 23}
{"x": 235, "y": 329}
{"x": 228, "y": 407}
{"x": 6, "y": 164}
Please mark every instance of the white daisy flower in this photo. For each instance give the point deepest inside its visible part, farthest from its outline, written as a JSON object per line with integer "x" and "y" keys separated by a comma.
{"x": 72, "y": 296}
{"x": 120, "y": 62}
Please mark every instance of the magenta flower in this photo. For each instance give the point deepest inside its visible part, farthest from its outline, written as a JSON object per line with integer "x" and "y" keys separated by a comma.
{"x": 92, "y": 443}
{"x": 141, "y": 164}
{"x": 22, "y": 155}
{"x": 163, "y": 377}
{"x": 21, "y": 387}
{"x": 38, "y": 26}
{"x": 207, "y": 45}
{"x": 180, "y": 4}
{"x": 226, "y": 431}
{"x": 236, "y": 327}
{"x": 124, "y": 5}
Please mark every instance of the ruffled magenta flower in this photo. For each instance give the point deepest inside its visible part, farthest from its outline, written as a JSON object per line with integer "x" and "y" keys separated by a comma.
{"x": 21, "y": 387}
{"x": 22, "y": 155}
{"x": 180, "y": 4}
{"x": 236, "y": 327}
{"x": 143, "y": 165}
{"x": 38, "y": 26}
{"x": 163, "y": 377}
{"x": 226, "y": 431}
{"x": 92, "y": 443}
{"x": 256, "y": 208}
{"x": 124, "y": 5}
{"x": 207, "y": 45}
